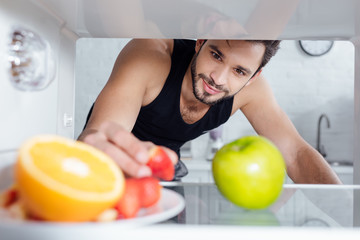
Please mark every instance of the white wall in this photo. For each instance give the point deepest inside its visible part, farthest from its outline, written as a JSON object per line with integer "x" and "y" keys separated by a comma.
{"x": 94, "y": 61}
{"x": 304, "y": 86}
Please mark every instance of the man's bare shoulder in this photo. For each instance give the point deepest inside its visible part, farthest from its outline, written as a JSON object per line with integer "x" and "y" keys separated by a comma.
{"x": 161, "y": 46}
{"x": 155, "y": 51}
{"x": 145, "y": 58}
{"x": 143, "y": 64}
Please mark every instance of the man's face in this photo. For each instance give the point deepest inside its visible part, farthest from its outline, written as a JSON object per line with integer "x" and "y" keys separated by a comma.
{"x": 221, "y": 68}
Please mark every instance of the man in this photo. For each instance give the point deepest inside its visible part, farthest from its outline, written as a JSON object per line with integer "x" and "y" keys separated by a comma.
{"x": 167, "y": 92}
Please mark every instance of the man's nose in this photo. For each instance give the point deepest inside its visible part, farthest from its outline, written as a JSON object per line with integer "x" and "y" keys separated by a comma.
{"x": 219, "y": 76}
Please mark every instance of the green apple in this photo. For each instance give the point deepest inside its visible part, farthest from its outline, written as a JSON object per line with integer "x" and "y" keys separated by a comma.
{"x": 249, "y": 172}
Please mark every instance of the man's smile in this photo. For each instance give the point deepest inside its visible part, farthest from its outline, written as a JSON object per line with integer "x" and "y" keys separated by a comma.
{"x": 209, "y": 89}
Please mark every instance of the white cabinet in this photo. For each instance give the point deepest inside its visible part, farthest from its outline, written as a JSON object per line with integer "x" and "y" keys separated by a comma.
{"x": 345, "y": 173}
{"x": 199, "y": 171}
{"x": 198, "y": 176}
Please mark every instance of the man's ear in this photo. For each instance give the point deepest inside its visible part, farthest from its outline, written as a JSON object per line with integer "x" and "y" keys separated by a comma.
{"x": 254, "y": 77}
{"x": 199, "y": 44}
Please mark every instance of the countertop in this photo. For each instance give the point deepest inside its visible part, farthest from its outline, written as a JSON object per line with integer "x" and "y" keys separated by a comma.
{"x": 200, "y": 171}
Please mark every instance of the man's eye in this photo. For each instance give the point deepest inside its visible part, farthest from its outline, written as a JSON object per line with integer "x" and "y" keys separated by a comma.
{"x": 239, "y": 71}
{"x": 216, "y": 56}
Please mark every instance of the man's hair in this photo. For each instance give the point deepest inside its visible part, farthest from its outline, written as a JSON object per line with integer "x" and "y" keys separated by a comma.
{"x": 271, "y": 47}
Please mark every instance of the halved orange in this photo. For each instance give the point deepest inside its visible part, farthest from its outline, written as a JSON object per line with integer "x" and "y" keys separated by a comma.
{"x": 60, "y": 179}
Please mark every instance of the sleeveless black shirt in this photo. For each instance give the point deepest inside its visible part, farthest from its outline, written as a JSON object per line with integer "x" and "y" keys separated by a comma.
{"x": 161, "y": 122}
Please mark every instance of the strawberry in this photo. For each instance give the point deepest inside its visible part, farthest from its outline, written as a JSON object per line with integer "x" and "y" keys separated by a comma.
{"x": 150, "y": 191}
{"x": 9, "y": 197}
{"x": 129, "y": 204}
{"x": 160, "y": 164}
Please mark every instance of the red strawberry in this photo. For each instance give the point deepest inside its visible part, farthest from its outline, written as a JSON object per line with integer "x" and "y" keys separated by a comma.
{"x": 150, "y": 191}
{"x": 139, "y": 192}
{"x": 129, "y": 204}
{"x": 9, "y": 197}
{"x": 160, "y": 164}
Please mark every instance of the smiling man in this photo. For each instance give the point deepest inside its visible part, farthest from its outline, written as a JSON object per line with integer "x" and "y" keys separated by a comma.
{"x": 167, "y": 92}
{"x": 217, "y": 87}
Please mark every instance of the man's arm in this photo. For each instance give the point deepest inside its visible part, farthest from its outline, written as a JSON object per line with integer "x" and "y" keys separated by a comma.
{"x": 135, "y": 79}
{"x": 304, "y": 164}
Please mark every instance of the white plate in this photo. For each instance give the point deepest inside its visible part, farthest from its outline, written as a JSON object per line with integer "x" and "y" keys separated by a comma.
{"x": 170, "y": 204}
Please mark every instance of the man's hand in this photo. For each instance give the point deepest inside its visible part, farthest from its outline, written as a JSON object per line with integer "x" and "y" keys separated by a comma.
{"x": 128, "y": 152}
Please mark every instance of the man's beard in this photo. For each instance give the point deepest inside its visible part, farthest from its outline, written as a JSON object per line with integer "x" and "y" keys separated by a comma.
{"x": 205, "y": 97}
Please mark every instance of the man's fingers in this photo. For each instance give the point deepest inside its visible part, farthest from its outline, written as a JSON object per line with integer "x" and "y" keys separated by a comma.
{"x": 126, "y": 141}
{"x": 128, "y": 152}
{"x": 124, "y": 161}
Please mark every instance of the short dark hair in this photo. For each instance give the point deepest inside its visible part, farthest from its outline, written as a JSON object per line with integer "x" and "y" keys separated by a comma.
{"x": 271, "y": 47}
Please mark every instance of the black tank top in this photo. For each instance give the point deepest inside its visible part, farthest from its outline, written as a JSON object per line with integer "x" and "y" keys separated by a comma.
{"x": 161, "y": 122}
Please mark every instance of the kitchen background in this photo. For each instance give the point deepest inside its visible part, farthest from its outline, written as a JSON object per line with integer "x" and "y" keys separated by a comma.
{"x": 305, "y": 87}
